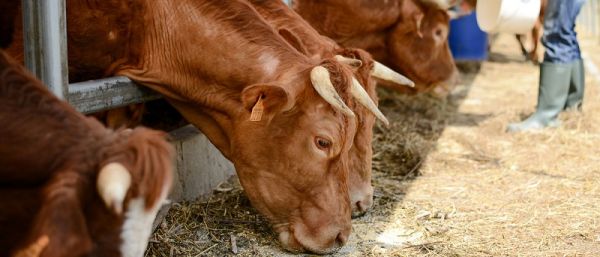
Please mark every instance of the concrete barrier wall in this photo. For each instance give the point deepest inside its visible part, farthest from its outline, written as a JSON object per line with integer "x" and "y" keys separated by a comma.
{"x": 199, "y": 167}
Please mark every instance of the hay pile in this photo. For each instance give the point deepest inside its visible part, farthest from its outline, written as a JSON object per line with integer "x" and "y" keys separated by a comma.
{"x": 448, "y": 180}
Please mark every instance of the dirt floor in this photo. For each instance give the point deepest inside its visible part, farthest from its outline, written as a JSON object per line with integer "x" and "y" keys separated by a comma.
{"x": 448, "y": 180}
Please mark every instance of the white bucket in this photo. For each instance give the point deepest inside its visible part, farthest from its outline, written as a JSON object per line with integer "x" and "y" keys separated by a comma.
{"x": 510, "y": 16}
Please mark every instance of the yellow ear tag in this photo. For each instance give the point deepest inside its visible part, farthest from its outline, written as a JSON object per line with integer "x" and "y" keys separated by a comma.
{"x": 257, "y": 110}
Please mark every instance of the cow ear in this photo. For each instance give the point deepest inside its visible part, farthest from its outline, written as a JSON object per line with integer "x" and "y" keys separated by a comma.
{"x": 413, "y": 15}
{"x": 293, "y": 40}
{"x": 410, "y": 9}
{"x": 265, "y": 100}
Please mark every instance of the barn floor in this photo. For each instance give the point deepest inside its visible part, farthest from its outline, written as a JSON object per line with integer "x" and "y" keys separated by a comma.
{"x": 449, "y": 181}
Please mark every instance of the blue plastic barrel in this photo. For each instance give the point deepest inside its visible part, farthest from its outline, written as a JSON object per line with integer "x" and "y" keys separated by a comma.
{"x": 467, "y": 41}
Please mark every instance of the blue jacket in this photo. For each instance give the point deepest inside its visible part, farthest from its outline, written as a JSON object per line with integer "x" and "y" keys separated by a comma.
{"x": 559, "y": 36}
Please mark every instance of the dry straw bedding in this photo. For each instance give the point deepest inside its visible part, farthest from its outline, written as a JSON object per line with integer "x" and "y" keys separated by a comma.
{"x": 448, "y": 180}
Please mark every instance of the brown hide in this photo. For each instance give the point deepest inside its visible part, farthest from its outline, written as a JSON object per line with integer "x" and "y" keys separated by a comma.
{"x": 212, "y": 60}
{"x": 50, "y": 156}
{"x": 87, "y": 60}
{"x": 303, "y": 37}
{"x": 407, "y": 35}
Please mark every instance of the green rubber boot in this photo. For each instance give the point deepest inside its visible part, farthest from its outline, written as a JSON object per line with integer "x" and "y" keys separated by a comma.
{"x": 552, "y": 97}
{"x": 577, "y": 87}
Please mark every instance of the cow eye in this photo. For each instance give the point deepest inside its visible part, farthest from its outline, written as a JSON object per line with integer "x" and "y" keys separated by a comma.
{"x": 322, "y": 143}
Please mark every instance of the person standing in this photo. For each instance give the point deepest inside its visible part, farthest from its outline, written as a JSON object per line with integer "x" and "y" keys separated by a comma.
{"x": 562, "y": 73}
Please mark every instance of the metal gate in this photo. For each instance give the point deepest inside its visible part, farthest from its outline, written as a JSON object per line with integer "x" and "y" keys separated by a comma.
{"x": 45, "y": 41}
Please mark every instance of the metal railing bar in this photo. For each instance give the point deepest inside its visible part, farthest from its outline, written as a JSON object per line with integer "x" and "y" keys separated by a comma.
{"x": 45, "y": 34}
{"x": 103, "y": 94}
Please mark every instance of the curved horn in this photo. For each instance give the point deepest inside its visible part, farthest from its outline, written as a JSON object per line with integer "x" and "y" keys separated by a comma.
{"x": 381, "y": 71}
{"x": 113, "y": 183}
{"x": 363, "y": 97}
{"x": 319, "y": 77}
{"x": 442, "y": 4}
{"x": 356, "y": 63}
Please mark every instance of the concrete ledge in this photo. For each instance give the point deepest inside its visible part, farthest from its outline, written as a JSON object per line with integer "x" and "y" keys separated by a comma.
{"x": 199, "y": 167}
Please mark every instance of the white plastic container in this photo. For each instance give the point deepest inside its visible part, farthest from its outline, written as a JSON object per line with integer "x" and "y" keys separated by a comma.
{"x": 510, "y": 16}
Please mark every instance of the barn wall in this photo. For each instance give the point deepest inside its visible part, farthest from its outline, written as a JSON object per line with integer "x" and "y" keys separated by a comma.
{"x": 199, "y": 167}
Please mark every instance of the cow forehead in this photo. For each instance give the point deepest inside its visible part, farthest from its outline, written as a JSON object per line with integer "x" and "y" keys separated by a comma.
{"x": 322, "y": 120}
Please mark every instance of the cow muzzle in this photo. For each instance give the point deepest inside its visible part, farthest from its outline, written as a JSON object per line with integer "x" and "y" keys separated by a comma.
{"x": 443, "y": 89}
{"x": 362, "y": 201}
{"x": 297, "y": 238}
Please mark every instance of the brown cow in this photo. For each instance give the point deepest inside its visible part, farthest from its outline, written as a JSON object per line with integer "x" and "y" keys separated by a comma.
{"x": 69, "y": 186}
{"x": 281, "y": 118}
{"x": 408, "y": 35}
{"x": 308, "y": 41}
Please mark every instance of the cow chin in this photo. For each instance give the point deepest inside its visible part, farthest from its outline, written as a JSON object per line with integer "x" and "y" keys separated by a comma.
{"x": 296, "y": 239}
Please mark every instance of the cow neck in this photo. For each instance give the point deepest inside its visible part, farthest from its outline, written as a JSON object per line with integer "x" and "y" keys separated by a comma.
{"x": 283, "y": 18}
{"x": 202, "y": 54}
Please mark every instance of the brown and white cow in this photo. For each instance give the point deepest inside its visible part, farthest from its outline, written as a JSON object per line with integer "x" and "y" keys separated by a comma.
{"x": 308, "y": 41}
{"x": 69, "y": 186}
{"x": 282, "y": 118}
{"x": 408, "y": 35}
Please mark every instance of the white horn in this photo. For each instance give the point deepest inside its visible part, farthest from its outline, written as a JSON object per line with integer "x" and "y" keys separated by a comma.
{"x": 442, "y": 4}
{"x": 319, "y": 77}
{"x": 381, "y": 71}
{"x": 356, "y": 63}
{"x": 363, "y": 97}
{"x": 113, "y": 183}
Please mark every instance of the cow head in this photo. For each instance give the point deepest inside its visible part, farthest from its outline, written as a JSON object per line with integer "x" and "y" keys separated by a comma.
{"x": 361, "y": 191}
{"x": 359, "y": 183}
{"x": 418, "y": 45}
{"x": 133, "y": 184}
{"x": 109, "y": 210}
{"x": 291, "y": 155}
{"x": 306, "y": 40}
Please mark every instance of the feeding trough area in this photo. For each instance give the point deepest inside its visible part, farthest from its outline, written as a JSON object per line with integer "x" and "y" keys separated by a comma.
{"x": 299, "y": 128}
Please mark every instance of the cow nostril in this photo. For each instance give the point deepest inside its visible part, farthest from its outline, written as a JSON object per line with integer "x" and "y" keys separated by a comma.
{"x": 359, "y": 206}
{"x": 341, "y": 239}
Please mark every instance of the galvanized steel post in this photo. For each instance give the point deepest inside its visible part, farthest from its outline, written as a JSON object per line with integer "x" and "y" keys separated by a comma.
{"x": 45, "y": 34}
